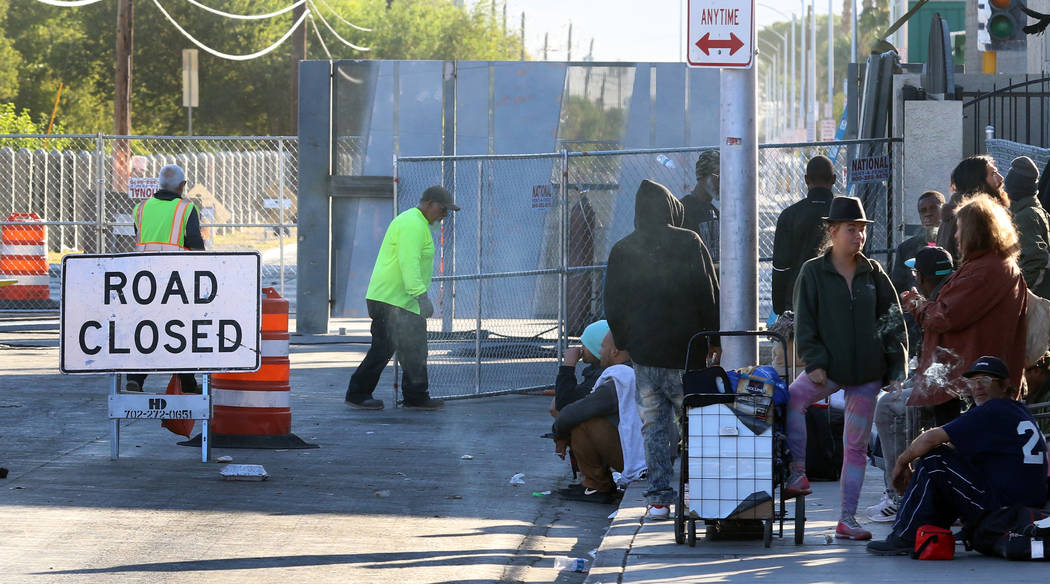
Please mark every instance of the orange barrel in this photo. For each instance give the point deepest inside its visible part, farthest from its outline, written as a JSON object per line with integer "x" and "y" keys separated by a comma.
{"x": 23, "y": 257}
{"x": 258, "y": 403}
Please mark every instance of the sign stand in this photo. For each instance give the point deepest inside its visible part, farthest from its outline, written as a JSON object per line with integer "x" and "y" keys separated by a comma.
{"x": 133, "y": 406}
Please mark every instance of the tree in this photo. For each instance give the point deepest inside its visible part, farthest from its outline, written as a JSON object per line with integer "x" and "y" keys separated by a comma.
{"x": 75, "y": 46}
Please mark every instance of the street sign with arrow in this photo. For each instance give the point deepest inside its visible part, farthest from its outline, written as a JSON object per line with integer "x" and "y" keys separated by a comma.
{"x": 721, "y": 33}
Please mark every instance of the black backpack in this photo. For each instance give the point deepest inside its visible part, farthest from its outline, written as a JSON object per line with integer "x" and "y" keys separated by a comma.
{"x": 1015, "y": 533}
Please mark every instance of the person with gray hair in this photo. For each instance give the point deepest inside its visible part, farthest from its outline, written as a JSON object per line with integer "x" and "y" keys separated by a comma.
{"x": 156, "y": 217}
{"x": 167, "y": 222}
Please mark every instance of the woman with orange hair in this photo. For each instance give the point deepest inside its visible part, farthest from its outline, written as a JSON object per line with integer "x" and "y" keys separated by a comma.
{"x": 980, "y": 309}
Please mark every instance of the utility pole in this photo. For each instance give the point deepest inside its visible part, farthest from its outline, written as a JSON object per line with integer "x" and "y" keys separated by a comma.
{"x": 545, "y": 36}
{"x": 122, "y": 83}
{"x": 831, "y": 60}
{"x": 794, "y": 94}
{"x": 853, "y": 36}
{"x": 298, "y": 54}
{"x": 803, "y": 69}
{"x": 522, "y": 35}
{"x": 569, "y": 53}
{"x": 811, "y": 119}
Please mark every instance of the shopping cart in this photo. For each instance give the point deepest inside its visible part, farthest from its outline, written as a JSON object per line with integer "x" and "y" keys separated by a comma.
{"x": 733, "y": 453}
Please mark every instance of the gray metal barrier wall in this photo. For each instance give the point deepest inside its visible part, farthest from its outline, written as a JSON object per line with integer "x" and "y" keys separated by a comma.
{"x": 520, "y": 269}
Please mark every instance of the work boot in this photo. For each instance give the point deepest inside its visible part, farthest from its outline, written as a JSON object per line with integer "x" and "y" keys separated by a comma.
{"x": 363, "y": 402}
{"x": 423, "y": 403}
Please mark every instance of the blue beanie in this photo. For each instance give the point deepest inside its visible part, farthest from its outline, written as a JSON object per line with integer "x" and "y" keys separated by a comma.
{"x": 593, "y": 335}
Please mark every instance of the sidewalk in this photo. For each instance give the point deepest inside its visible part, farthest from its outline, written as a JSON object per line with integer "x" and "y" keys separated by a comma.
{"x": 636, "y": 552}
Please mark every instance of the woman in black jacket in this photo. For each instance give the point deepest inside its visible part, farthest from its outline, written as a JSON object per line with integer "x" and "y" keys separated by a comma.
{"x": 850, "y": 333}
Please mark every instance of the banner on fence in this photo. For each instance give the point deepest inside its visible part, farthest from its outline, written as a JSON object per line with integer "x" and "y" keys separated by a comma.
{"x": 869, "y": 169}
{"x": 142, "y": 187}
{"x": 160, "y": 312}
{"x": 542, "y": 197}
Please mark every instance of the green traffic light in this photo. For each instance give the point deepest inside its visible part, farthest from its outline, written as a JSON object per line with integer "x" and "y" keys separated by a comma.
{"x": 1001, "y": 26}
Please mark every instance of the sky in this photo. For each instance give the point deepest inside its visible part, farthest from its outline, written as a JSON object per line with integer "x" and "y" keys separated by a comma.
{"x": 623, "y": 30}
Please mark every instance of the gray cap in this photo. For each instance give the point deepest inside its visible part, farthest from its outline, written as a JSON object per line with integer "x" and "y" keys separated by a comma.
{"x": 439, "y": 194}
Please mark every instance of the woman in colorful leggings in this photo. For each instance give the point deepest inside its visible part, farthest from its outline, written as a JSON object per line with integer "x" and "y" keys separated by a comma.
{"x": 850, "y": 333}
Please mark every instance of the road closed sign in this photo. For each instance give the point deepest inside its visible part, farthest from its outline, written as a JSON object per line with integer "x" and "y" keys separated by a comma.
{"x": 160, "y": 312}
{"x": 721, "y": 33}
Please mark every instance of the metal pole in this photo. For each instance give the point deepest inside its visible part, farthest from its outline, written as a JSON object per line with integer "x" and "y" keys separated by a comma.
{"x": 280, "y": 204}
{"x": 831, "y": 59}
{"x": 206, "y": 423}
{"x": 794, "y": 93}
{"x": 563, "y": 285}
{"x": 478, "y": 266}
{"x": 100, "y": 195}
{"x": 853, "y": 35}
{"x": 803, "y": 64}
{"x": 739, "y": 224}
{"x": 788, "y": 99}
{"x": 811, "y": 84}
{"x": 114, "y": 434}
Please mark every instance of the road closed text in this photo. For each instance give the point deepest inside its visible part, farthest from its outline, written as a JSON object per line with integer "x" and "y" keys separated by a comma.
{"x": 172, "y": 335}
{"x": 160, "y": 312}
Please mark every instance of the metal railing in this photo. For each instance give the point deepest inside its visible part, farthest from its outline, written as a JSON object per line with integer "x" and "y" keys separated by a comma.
{"x": 519, "y": 270}
{"x": 77, "y": 187}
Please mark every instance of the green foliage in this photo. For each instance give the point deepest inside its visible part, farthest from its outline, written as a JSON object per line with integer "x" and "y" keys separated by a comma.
{"x": 15, "y": 122}
{"x": 42, "y": 46}
{"x": 583, "y": 119}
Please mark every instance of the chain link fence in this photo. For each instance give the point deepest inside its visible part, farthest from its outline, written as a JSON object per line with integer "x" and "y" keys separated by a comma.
{"x": 81, "y": 189}
{"x": 519, "y": 270}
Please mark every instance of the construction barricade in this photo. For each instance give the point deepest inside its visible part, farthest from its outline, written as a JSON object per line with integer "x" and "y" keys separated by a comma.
{"x": 23, "y": 259}
{"x": 253, "y": 409}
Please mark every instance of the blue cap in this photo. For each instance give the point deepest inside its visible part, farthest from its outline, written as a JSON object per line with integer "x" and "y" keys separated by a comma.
{"x": 593, "y": 335}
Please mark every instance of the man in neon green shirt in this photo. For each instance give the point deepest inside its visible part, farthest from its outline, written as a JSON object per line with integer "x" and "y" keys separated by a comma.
{"x": 398, "y": 305}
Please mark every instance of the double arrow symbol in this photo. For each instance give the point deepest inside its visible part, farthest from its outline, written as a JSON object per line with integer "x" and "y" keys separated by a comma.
{"x": 705, "y": 44}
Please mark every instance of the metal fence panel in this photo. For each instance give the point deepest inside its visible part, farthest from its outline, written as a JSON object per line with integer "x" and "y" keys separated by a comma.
{"x": 76, "y": 186}
{"x": 520, "y": 269}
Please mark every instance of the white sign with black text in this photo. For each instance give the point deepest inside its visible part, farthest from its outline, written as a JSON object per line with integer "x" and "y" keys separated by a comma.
{"x": 160, "y": 312}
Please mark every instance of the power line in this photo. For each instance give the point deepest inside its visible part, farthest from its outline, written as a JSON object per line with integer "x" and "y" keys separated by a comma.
{"x": 332, "y": 30}
{"x": 320, "y": 39}
{"x": 68, "y": 3}
{"x": 228, "y": 56}
{"x": 235, "y": 16}
{"x": 343, "y": 20}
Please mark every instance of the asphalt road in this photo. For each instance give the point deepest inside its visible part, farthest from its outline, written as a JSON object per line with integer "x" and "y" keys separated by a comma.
{"x": 388, "y": 496}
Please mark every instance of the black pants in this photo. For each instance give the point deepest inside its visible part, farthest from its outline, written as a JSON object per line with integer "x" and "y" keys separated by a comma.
{"x": 393, "y": 329}
{"x": 189, "y": 383}
{"x": 943, "y": 488}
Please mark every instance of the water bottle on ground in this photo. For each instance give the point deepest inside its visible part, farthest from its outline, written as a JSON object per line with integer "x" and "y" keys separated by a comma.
{"x": 570, "y": 564}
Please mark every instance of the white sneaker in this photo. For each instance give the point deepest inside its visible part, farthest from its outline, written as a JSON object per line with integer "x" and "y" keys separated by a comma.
{"x": 657, "y": 513}
{"x": 885, "y": 511}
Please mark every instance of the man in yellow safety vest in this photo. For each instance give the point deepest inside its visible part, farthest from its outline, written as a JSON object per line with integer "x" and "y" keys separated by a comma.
{"x": 167, "y": 222}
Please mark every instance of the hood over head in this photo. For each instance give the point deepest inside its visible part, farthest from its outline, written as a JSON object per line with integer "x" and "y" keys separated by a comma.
{"x": 655, "y": 207}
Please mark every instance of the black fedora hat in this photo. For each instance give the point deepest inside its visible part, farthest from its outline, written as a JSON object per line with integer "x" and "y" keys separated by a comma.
{"x": 846, "y": 209}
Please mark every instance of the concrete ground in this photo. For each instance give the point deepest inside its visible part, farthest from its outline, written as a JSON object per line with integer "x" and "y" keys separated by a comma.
{"x": 386, "y": 498}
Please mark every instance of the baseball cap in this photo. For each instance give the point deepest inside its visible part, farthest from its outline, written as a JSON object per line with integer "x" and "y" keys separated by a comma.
{"x": 439, "y": 194}
{"x": 989, "y": 366}
{"x": 932, "y": 261}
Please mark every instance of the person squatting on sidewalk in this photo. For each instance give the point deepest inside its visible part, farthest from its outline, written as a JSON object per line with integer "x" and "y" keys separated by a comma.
{"x": 661, "y": 289}
{"x": 566, "y": 387}
{"x": 398, "y": 305}
{"x": 997, "y": 458}
{"x": 603, "y": 430}
{"x": 851, "y": 335}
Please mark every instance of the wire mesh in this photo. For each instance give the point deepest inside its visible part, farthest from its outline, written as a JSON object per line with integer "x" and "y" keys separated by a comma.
{"x": 1004, "y": 152}
{"x": 78, "y": 188}
{"x": 519, "y": 270}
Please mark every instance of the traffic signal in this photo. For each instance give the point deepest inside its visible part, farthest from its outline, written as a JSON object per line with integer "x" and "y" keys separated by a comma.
{"x": 1000, "y": 24}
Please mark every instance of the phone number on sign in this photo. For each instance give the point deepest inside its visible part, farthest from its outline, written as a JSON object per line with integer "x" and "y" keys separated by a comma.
{"x": 159, "y": 414}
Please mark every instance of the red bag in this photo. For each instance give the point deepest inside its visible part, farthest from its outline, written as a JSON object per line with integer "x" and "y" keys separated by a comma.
{"x": 182, "y": 427}
{"x": 933, "y": 543}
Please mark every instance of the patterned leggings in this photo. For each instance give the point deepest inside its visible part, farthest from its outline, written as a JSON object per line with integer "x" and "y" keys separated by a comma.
{"x": 860, "y": 411}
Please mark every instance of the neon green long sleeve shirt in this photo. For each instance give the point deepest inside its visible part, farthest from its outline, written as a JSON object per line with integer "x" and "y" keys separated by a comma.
{"x": 405, "y": 264}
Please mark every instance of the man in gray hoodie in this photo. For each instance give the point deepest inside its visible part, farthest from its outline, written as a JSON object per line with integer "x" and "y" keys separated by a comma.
{"x": 661, "y": 289}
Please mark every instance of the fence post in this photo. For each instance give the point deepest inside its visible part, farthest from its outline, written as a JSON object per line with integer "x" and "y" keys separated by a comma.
{"x": 563, "y": 287}
{"x": 280, "y": 206}
{"x": 100, "y": 190}
{"x": 478, "y": 264}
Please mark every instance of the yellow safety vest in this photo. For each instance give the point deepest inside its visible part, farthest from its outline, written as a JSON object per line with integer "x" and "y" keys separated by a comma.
{"x": 161, "y": 224}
